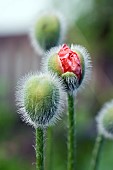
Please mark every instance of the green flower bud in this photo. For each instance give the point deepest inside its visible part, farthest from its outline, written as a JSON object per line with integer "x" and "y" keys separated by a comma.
{"x": 105, "y": 120}
{"x": 40, "y": 99}
{"x": 48, "y": 31}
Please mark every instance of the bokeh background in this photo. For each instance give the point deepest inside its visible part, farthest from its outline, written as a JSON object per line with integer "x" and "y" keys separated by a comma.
{"x": 90, "y": 23}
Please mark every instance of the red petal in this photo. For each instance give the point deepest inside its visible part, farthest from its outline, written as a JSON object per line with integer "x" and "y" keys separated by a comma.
{"x": 70, "y": 61}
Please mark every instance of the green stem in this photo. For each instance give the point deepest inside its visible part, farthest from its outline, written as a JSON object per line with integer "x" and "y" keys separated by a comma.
{"x": 39, "y": 149}
{"x": 96, "y": 152}
{"x": 71, "y": 133}
{"x": 50, "y": 148}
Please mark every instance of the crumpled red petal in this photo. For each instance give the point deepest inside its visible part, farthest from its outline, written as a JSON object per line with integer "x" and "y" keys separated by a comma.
{"x": 70, "y": 61}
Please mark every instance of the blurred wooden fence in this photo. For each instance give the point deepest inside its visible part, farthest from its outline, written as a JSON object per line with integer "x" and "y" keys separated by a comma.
{"x": 17, "y": 57}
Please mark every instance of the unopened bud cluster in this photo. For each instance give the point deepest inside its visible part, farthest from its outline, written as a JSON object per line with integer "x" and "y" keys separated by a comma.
{"x": 40, "y": 97}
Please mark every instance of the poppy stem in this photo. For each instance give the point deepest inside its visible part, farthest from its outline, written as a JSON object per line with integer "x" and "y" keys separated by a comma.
{"x": 49, "y": 149}
{"x": 71, "y": 133}
{"x": 96, "y": 152}
{"x": 39, "y": 149}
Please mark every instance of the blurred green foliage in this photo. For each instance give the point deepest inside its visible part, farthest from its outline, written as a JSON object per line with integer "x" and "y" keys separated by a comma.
{"x": 12, "y": 164}
{"x": 7, "y": 118}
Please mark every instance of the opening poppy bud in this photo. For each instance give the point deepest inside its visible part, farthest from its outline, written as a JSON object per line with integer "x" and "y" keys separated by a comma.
{"x": 105, "y": 120}
{"x": 40, "y": 99}
{"x": 48, "y": 30}
{"x": 72, "y": 64}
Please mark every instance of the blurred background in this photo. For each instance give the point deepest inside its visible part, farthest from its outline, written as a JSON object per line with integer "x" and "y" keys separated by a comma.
{"x": 91, "y": 25}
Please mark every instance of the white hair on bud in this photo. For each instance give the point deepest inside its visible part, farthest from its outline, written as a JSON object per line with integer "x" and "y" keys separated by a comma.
{"x": 63, "y": 29}
{"x": 99, "y": 119}
{"x": 20, "y": 92}
{"x": 86, "y": 59}
{"x": 47, "y": 56}
{"x": 87, "y": 63}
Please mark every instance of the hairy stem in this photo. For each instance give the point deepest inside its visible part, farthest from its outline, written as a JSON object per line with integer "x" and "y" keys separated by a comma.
{"x": 71, "y": 133}
{"x": 96, "y": 152}
{"x": 39, "y": 149}
{"x": 50, "y": 148}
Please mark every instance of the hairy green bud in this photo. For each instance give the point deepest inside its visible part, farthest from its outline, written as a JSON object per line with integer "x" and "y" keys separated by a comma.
{"x": 48, "y": 30}
{"x": 105, "y": 120}
{"x": 40, "y": 99}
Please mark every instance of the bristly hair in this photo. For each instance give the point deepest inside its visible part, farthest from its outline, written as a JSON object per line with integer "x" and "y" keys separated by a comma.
{"x": 71, "y": 84}
{"x": 63, "y": 29}
{"x": 86, "y": 58}
{"x": 47, "y": 56}
{"x": 41, "y": 122}
{"x": 87, "y": 64}
{"x": 99, "y": 119}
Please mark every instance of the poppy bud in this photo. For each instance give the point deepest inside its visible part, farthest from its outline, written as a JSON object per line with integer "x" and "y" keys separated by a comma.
{"x": 40, "y": 99}
{"x": 72, "y": 64}
{"x": 105, "y": 120}
{"x": 47, "y": 31}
